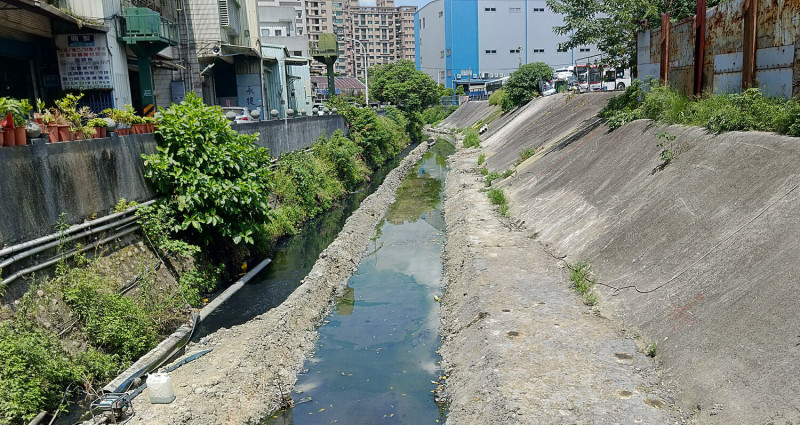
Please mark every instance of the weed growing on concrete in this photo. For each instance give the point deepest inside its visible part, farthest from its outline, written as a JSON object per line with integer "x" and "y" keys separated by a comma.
{"x": 507, "y": 173}
{"x": 583, "y": 281}
{"x": 497, "y": 197}
{"x": 481, "y": 159}
{"x": 471, "y": 138}
{"x": 490, "y": 177}
{"x": 652, "y": 350}
{"x": 524, "y": 155}
{"x": 484, "y": 171}
{"x": 124, "y": 205}
{"x": 665, "y": 143}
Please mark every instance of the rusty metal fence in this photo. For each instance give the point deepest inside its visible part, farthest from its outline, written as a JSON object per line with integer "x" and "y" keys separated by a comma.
{"x": 739, "y": 44}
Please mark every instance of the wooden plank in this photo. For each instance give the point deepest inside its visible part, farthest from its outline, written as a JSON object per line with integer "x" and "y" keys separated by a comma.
{"x": 665, "y": 29}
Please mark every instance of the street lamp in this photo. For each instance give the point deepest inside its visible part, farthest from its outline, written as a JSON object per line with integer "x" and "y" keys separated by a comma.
{"x": 366, "y": 74}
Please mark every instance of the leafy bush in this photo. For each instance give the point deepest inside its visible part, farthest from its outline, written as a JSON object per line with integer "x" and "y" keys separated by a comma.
{"x": 481, "y": 159}
{"x": 34, "y": 371}
{"x": 216, "y": 181}
{"x": 524, "y": 155}
{"x": 747, "y": 111}
{"x": 344, "y": 155}
{"x": 523, "y": 84}
{"x": 306, "y": 182}
{"x": 471, "y": 138}
{"x": 434, "y": 115}
{"x": 583, "y": 281}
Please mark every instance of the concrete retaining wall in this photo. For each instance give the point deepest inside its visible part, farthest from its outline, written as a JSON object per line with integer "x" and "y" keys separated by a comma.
{"x": 281, "y": 136}
{"x": 80, "y": 179}
{"x": 704, "y": 248}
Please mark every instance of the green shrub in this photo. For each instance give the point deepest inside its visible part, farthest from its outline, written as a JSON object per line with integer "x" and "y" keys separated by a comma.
{"x": 34, "y": 371}
{"x": 307, "y": 182}
{"x": 481, "y": 159}
{"x": 524, "y": 155}
{"x": 435, "y": 114}
{"x": 498, "y": 197}
{"x": 523, "y": 84}
{"x": 345, "y": 157}
{"x": 747, "y": 111}
{"x": 216, "y": 180}
{"x": 583, "y": 281}
{"x": 490, "y": 177}
{"x": 471, "y": 138}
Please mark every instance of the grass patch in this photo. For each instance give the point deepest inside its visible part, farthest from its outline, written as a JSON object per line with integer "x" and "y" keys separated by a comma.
{"x": 471, "y": 138}
{"x": 652, "y": 350}
{"x": 498, "y": 197}
{"x": 524, "y": 155}
{"x": 750, "y": 110}
{"x": 484, "y": 171}
{"x": 583, "y": 281}
{"x": 481, "y": 159}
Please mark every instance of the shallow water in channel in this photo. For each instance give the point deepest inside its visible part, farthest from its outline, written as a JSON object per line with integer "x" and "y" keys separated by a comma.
{"x": 376, "y": 360}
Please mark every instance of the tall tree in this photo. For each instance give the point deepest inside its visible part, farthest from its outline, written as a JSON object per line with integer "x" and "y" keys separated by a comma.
{"x": 612, "y": 25}
{"x": 401, "y": 84}
{"x": 523, "y": 83}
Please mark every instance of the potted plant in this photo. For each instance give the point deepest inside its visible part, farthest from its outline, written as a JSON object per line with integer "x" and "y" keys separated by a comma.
{"x": 21, "y": 121}
{"x": 86, "y": 115}
{"x": 137, "y": 124}
{"x": 49, "y": 126}
{"x": 10, "y": 113}
{"x": 68, "y": 108}
{"x": 99, "y": 126}
{"x": 122, "y": 118}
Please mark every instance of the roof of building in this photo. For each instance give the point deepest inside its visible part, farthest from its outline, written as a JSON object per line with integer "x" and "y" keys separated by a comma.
{"x": 341, "y": 83}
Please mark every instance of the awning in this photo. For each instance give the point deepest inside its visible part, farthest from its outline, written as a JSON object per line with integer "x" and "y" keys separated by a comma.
{"x": 297, "y": 60}
{"x": 37, "y": 6}
{"x": 233, "y": 50}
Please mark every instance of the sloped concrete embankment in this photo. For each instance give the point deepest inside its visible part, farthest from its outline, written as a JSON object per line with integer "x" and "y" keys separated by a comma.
{"x": 253, "y": 364}
{"x": 542, "y": 120}
{"x": 699, "y": 256}
{"x": 518, "y": 346}
{"x": 468, "y": 114}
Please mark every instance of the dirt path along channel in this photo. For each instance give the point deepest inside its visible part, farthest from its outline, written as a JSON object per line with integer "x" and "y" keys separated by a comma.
{"x": 519, "y": 346}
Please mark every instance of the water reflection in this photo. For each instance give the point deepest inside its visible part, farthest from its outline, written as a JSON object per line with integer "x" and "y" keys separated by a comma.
{"x": 376, "y": 357}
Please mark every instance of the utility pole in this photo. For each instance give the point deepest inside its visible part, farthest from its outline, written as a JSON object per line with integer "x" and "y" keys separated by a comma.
{"x": 366, "y": 73}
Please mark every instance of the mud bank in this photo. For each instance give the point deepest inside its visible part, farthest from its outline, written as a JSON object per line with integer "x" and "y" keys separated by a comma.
{"x": 242, "y": 380}
{"x": 519, "y": 347}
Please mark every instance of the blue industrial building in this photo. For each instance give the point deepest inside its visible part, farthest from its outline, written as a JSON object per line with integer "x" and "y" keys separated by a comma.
{"x": 472, "y": 42}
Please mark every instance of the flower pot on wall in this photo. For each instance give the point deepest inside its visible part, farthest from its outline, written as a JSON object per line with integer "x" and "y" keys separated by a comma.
{"x": 79, "y": 135}
{"x": 10, "y": 136}
{"x": 123, "y": 131}
{"x": 52, "y": 133}
{"x": 100, "y": 132}
{"x": 63, "y": 133}
{"x": 2, "y": 139}
{"x": 21, "y": 138}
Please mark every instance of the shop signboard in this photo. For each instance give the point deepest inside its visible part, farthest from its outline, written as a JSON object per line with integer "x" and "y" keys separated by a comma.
{"x": 83, "y": 61}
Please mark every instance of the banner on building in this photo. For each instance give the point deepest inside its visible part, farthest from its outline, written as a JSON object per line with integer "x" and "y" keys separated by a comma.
{"x": 83, "y": 61}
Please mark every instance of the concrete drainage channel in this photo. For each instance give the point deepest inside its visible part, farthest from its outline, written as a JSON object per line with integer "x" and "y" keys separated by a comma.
{"x": 254, "y": 365}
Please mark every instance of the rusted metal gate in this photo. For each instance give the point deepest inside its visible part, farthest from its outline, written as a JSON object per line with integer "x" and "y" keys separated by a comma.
{"x": 746, "y": 43}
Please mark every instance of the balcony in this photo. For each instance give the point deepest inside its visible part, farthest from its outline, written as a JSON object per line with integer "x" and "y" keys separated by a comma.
{"x": 142, "y": 25}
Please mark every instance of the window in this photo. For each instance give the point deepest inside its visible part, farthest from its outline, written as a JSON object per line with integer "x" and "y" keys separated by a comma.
{"x": 585, "y": 50}
{"x": 441, "y": 13}
{"x": 442, "y": 53}
{"x": 449, "y": 52}
{"x": 562, "y": 49}
{"x": 490, "y": 9}
{"x": 265, "y": 32}
{"x": 297, "y": 53}
{"x": 538, "y": 50}
{"x": 514, "y": 51}
{"x": 423, "y": 22}
{"x": 278, "y": 32}
{"x": 514, "y": 10}
{"x": 491, "y": 52}
{"x": 538, "y": 9}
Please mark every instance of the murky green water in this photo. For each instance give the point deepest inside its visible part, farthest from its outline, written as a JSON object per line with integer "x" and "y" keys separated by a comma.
{"x": 376, "y": 356}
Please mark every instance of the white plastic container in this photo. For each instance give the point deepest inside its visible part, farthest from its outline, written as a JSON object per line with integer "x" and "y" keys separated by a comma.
{"x": 159, "y": 386}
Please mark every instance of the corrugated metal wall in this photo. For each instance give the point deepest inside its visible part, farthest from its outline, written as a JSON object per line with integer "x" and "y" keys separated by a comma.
{"x": 777, "y": 49}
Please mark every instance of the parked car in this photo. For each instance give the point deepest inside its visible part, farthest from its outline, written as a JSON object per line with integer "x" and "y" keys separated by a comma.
{"x": 242, "y": 113}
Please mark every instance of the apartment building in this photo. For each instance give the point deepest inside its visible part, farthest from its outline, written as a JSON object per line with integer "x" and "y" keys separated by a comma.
{"x": 386, "y": 32}
{"x": 283, "y": 23}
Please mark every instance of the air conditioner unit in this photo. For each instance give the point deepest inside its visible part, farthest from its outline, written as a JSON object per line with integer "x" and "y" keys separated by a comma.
{"x": 474, "y": 76}
{"x": 458, "y": 76}
{"x": 485, "y": 75}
